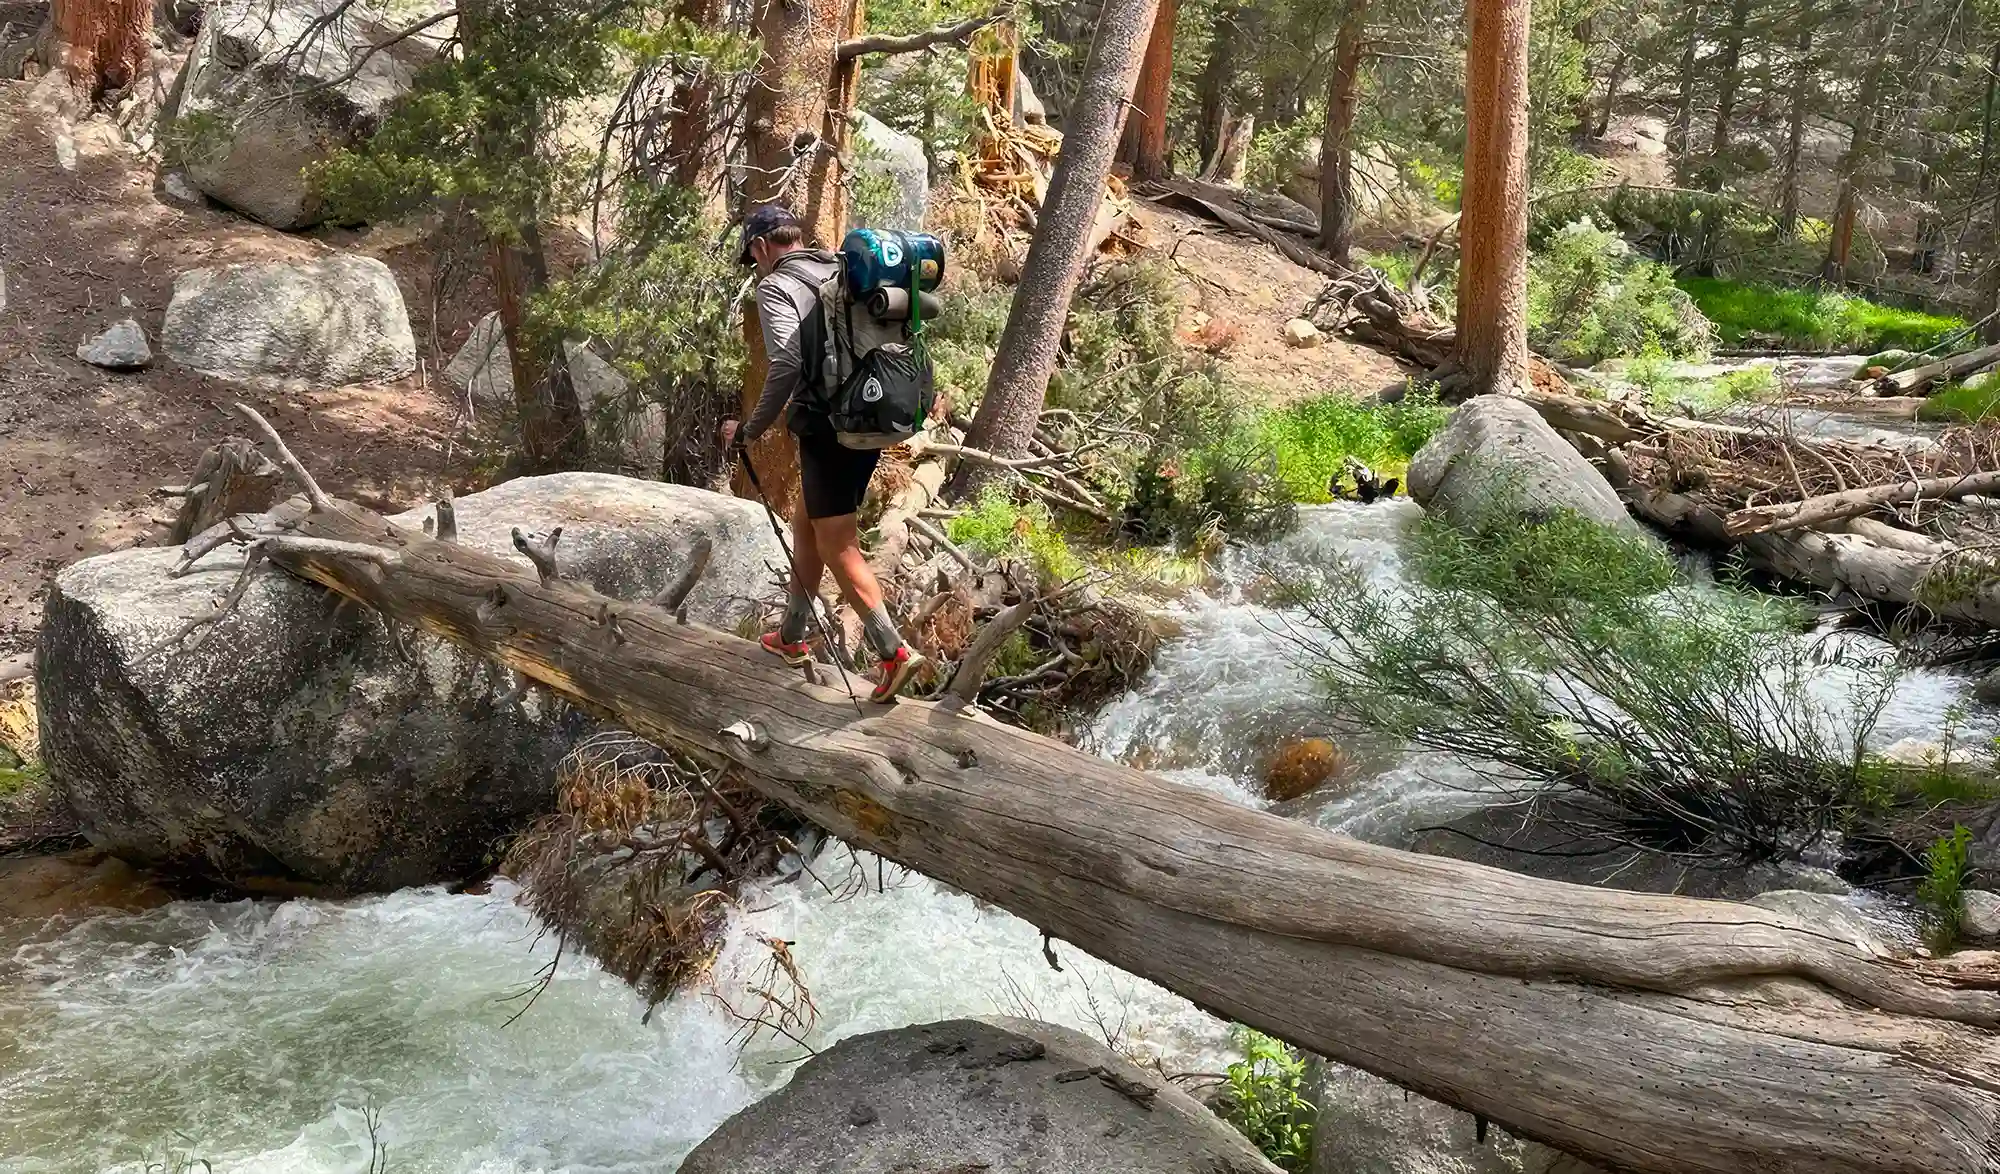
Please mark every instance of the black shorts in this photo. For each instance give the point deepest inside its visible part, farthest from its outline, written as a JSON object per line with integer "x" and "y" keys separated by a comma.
{"x": 833, "y": 476}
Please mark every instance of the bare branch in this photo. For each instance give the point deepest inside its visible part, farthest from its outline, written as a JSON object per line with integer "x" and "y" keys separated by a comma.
{"x": 314, "y": 494}
{"x": 971, "y": 669}
{"x": 944, "y": 34}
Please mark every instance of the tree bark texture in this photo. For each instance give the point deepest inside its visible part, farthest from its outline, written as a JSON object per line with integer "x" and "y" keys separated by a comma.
{"x": 1336, "y": 145}
{"x": 101, "y": 44}
{"x": 1144, "y": 144}
{"x": 1795, "y": 125}
{"x": 795, "y": 130}
{"x": 545, "y": 401}
{"x": 1682, "y": 130}
{"x": 776, "y": 453}
{"x": 1213, "y": 88}
{"x": 1860, "y": 147}
{"x": 693, "y": 143}
{"x": 1491, "y": 353}
{"x": 1727, "y": 76}
{"x": 1612, "y": 85}
{"x": 1027, "y": 353}
{"x": 1649, "y": 1033}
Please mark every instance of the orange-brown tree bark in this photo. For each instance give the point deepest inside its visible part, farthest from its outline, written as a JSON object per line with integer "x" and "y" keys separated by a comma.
{"x": 797, "y": 112}
{"x": 693, "y": 146}
{"x": 1144, "y": 144}
{"x": 1860, "y": 146}
{"x": 1336, "y": 146}
{"x": 101, "y": 44}
{"x": 1491, "y": 352}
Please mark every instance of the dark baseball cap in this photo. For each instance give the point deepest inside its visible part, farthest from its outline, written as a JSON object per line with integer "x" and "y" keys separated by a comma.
{"x": 764, "y": 221}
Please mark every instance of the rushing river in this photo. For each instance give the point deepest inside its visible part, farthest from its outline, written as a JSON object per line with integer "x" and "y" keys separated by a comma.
{"x": 291, "y": 1037}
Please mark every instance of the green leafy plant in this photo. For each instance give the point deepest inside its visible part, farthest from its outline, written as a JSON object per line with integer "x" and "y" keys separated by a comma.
{"x": 999, "y": 527}
{"x": 1969, "y": 402}
{"x": 1568, "y": 655}
{"x": 1312, "y": 439}
{"x": 1942, "y": 891}
{"x": 1590, "y": 299}
{"x": 1265, "y": 1099}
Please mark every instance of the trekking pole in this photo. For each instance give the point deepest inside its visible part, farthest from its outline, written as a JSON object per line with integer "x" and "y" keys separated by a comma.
{"x": 791, "y": 570}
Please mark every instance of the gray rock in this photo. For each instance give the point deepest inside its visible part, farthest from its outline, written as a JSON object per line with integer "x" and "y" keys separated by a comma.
{"x": 1496, "y": 445}
{"x": 1987, "y": 689}
{"x": 883, "y": 151}
{"x": 324, "y": 323}
{"x": 1370, "y": 1125}
{"x": 1980, "y": 923}
{"x": 636, "y": 427}
{"x": 300, "y": 741}
{"x": 261, "y": 101}
{"x": 1001, "y": 1096}
{"x": 123, "y": 347}
{"x": 177, "y": 187}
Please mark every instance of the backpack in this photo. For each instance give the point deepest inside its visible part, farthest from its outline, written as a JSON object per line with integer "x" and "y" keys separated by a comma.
{"x": 876, "y": 384}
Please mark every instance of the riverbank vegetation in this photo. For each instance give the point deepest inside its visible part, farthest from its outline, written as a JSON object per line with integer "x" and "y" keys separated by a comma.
{"x": 1758, "y": 316}
{"x": 1574, "y": 661}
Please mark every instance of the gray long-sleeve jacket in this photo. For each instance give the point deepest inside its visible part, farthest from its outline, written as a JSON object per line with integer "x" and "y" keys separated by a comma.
{"x": 784, "y": 298}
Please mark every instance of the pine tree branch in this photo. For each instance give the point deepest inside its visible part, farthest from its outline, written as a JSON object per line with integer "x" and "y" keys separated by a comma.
{"x": 944, "y": 34}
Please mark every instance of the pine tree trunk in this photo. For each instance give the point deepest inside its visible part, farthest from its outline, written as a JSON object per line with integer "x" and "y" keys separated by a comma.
{"x": 100, "y": 44}
{"x": 1795, "y": 127}
{"x": 1612, "y": 85}
{"x": 1027, "y": 353}
{"x": 1986, "y": 121}
{"x": 1682, "y": 129}
{"x": 1726, "y": 79}
{"x": 1214, "y": 86}
{"x": 1860, "y": 147}
{"x": 1336, "y": 146}
{"x": 1491, "y": 351}
{"x": 796, "y": 113}
{"x": 1143, "y": 146}
{"x": 693, "y": 146}
{"x": 545, "y": 401}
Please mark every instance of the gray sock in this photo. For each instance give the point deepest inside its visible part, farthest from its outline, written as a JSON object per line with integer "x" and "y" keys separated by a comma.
{"x": 881, "y": 632}
{"x": 798, "y": 617}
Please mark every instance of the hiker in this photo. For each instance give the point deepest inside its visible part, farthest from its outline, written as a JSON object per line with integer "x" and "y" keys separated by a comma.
{"x": 833, "y": 478}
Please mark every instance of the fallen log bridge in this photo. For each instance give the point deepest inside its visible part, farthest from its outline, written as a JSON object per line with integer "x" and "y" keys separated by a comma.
{"x": 1644, "y": 1032}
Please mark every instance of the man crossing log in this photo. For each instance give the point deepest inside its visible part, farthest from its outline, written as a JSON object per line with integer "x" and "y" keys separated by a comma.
{"x": 1645, "y": 1032}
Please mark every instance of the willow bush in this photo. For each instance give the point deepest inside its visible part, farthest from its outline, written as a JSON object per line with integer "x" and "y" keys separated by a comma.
{"x": 1564, "y": 658}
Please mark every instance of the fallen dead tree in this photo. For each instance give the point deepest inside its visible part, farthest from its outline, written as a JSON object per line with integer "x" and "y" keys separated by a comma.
{"x": 1646, "y": 1032}
{"x": 1871, "y": 522}
{"x": 1917, "y": 380}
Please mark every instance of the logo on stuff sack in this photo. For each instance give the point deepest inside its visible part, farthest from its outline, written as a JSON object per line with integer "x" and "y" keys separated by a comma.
{"x": 871, "y": 391}
{"x": 891, "y": 250}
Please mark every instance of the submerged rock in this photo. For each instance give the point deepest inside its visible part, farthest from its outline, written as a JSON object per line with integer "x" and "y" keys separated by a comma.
{"x": 1000, "y": 1096}
{"x": 324, "y": 323}
{"x": 1497, "y": 446}
{"x": 1979, "y": 923}
{"x": 303, "y": 740}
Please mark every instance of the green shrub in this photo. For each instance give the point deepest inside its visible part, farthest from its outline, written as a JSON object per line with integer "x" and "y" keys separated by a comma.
{"x": 1812, "y": 319}
{"x": 1266, "y": 1102}
{"x": 1589, "y": 299}
{"x": 998, "y": 527}
{"x": 1942, "y": 891}
{"x": 1568, "y": 655}
{"x": 1970, "y": 402}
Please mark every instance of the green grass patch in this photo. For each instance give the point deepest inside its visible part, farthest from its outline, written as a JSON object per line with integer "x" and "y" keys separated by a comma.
{"x": 1809, "y": 319}
{"x": 1970, "y": 402}
{"x": 998, "y": 527}
{"x": 1311, "y": 440}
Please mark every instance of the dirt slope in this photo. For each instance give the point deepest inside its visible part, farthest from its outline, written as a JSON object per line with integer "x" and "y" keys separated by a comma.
{"x": 81, "y": 450}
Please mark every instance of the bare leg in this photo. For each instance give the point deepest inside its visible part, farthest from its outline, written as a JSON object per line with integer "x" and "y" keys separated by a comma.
{"x": 807, "y": 565}
{"x": 838, "y": 547}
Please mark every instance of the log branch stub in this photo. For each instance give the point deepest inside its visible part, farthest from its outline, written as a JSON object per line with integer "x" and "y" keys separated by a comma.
{"x": 971, "y": 670}
{"x": 447, "y": 520}
{"x": 541, "y": 551}
{"x": 673, "y": 597}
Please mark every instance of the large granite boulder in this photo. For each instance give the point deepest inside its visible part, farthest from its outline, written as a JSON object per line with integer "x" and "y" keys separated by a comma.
{"x": 329, "y": 322}
{"x": 1497, "y": 452}
{"x": 629, "y": 428}
{"x": 267, "y": 95}
{"x": 887, "y": 156}
{"x": 1001, "y": 1096}
{"x": 303, "y": 741}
